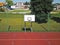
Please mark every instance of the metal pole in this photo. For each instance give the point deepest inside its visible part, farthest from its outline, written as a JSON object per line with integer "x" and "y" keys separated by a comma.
{"x": 31, "y": 27}
{"x": 25, "y": 26}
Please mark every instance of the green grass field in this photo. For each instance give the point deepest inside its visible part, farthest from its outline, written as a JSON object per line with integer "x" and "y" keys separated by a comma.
{"x": 16, "y": 23}
{"x": 20, "y": 10}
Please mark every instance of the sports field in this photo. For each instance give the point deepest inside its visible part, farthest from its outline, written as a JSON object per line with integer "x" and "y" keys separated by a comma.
{"x": 14, "y": 22}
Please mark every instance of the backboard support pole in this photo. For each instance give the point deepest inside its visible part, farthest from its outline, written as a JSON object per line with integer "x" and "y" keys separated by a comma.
{"x": 25, "y": 26}
{"x": 31, "y": 27}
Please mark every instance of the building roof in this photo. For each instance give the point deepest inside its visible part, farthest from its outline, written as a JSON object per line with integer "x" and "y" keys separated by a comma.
{"x": 56, "y": 4}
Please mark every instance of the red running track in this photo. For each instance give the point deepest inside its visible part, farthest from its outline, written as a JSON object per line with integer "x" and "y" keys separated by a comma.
{"x": 25, "y": 38}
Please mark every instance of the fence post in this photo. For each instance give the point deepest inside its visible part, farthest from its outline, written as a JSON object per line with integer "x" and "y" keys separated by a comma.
{"x": 48, "y": 21}
{"x": 9, "y": 28}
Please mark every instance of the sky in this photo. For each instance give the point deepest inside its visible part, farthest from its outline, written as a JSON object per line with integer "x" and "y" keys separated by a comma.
{"x": 55, "y": 1}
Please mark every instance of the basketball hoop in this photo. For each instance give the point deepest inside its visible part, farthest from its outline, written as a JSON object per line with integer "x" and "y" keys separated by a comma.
{"x": 29, "y": 19}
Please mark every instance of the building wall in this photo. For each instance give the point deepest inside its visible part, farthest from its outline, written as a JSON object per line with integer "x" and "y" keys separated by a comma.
{"x": 58, "y": 7}
{"x": 19, "y": 4}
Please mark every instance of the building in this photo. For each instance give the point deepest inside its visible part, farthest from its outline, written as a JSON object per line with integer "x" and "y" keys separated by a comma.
{"x": 20, "y": 5}
{"x": 56, "y": 6}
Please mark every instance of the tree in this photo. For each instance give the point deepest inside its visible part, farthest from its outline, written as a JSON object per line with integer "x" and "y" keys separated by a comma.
{"x": 41, "y": 8}
{"x": 26, "y": 3}
{"x": 9, "y": 2}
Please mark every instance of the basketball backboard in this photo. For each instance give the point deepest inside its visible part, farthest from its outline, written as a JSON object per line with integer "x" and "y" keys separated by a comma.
{"x": 29, "y": 18}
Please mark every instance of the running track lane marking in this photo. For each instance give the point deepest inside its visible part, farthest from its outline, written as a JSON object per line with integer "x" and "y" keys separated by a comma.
{"x": 29, "y": 39}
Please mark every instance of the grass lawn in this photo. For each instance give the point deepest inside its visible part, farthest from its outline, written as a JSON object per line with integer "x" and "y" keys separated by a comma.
{"x": 16, "y": 23}
{"x": 20, "y": 10}
{"x": 55, "y": 13}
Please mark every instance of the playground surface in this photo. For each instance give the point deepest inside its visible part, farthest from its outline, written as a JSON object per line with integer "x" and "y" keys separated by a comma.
{"x": 29, "y": 38}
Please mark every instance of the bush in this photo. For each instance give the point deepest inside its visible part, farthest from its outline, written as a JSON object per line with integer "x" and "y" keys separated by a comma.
{"x": 2, "y": 9}
{"x": 41, "y": 18}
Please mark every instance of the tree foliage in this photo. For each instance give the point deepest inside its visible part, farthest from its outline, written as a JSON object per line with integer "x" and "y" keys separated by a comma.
{"x": 26, "y": 3}
{"x": 9, "y": 2}
{"x": 41, "y": 8}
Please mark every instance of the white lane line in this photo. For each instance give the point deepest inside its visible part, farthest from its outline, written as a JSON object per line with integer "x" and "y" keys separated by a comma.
{"x": 29, "y": 39}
